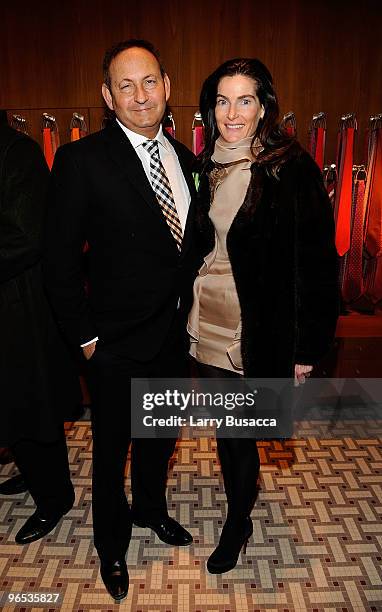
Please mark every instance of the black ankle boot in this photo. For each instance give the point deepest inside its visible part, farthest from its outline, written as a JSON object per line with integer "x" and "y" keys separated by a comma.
{"x": 234, "y": 536}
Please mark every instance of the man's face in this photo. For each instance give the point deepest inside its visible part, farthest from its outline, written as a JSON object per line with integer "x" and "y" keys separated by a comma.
{"x": 138, "y": 93}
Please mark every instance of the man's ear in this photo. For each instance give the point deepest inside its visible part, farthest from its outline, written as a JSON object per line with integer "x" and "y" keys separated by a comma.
{"x": 106, "y": 93}
{"x": 167, "y": 86}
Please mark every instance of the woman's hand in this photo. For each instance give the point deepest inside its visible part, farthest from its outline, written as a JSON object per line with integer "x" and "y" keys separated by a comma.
{"x": 300, "y": 373}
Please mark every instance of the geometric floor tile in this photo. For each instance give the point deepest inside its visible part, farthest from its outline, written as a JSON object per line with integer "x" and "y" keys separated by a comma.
{"x": 317, "y": 543}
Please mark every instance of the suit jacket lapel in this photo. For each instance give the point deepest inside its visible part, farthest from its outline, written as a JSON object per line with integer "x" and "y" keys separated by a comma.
{"x": 124, "y": 155}
{"x": 122, "y": 152}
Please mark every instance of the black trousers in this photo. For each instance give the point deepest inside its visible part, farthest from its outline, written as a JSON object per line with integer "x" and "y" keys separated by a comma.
{"x": 239, "y": 458}
{"x": 109, "y": 385}
{"x": 45, "y": 469}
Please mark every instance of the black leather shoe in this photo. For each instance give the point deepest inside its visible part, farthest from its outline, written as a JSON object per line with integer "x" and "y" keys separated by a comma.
{"x": 168, "y": 530}
{"x": 115, "y": 578}
{"x": 13, "y": 486}
{"x": 234, "y": 536}
{"x": 37, "y": 526}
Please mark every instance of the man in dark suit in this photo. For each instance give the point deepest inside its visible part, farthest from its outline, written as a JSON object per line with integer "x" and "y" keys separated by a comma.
{"x": 128, "y": 191}
{"x": 38, "y": 382}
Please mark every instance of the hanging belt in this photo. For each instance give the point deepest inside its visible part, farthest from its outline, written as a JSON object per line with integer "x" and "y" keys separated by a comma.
{"x": 344, "y": 188}
{"x": 353, "y": 278}
{"x": 50, "y": 138}
{"x": 169, "y": 124}
{"x": 55, "y": 139}
{"x": 320, "y": 147}
{"x": 197, "y": 139}
{"x": 289, "y": 124}
{"x": 331, "y": 181}
{"x": 373, "y": 237}
{"x": 317, "y": 139}
{"x": 373, "y": 204}
{"x": 48, "y": 148}
{"x": 75, "y": 134}
{"x": 373, "y": 279}
{"x": 19, "y": 123}
{"x": 78, "y": 128}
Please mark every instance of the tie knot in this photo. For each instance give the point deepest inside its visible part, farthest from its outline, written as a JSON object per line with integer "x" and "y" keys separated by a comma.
{"x": 151, "y": 147}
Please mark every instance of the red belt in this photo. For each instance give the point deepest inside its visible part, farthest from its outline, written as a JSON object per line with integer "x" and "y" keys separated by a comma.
{"x": 320, "y": 147}
{"x": 353, "y": 281}
{"x": 344, "y": 190}
{"x": 50, "y": 136}
{"x": 317, "y": 139}
{"x": 48, "y": 146}
{"x": 289, "y": 124}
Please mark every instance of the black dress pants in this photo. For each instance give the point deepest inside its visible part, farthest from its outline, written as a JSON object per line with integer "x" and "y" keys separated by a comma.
{"x": 239, "y": 458}
{"x": 45, "y": 469}
{"x": 109, "y": 384}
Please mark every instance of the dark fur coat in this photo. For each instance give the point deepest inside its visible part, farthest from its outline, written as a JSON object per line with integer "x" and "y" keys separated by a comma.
{"x": 38, "y": 381}
{"x": 283, "y": 257}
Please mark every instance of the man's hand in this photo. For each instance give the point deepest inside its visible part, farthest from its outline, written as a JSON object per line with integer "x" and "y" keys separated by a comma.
{"x": 300, "y": 373}
{"x": 89, "y": 350}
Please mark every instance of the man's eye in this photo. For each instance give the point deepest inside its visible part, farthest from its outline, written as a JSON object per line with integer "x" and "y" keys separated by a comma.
{"x": 150, "y": 82}
{"x": 127, "y": 86}
{"x": 245, "y": 101}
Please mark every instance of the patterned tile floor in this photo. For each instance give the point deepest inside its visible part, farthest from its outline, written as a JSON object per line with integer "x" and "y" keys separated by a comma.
{"x": 317, "y": 543}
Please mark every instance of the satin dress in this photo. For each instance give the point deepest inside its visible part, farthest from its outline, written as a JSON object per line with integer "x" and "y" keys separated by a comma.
{"x": 214, "y": 323}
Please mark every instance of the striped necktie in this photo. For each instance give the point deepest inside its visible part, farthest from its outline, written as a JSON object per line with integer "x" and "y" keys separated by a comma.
{"x": 163, "y": 192}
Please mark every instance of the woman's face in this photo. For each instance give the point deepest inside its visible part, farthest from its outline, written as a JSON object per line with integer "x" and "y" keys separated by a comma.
{"x": 237, "y": 110}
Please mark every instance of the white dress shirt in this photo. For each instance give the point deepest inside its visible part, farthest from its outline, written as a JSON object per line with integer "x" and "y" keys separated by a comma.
{"x": 171, "y": 165}
{"x": 173, "y": 170}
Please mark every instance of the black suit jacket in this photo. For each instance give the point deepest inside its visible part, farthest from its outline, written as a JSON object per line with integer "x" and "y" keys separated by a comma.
{"x": 99, "y": 193}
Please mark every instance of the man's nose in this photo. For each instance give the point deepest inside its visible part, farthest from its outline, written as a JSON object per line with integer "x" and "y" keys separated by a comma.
{"x": 140, "y": 94}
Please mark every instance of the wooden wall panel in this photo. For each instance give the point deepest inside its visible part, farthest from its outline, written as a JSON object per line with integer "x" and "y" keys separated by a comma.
{"x": 325, "y": 56}
{"x": 96, "y": 116}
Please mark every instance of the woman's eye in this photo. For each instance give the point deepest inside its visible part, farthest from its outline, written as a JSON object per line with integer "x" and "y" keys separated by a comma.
{"x": 220, "y": 102}
{"x": 245, "y": 101}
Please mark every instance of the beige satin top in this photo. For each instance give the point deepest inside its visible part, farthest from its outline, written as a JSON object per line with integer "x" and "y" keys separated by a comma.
{"x": 214, "y": 323}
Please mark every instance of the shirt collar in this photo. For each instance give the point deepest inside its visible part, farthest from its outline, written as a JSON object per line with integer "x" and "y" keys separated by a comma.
{"x": 137, "y": 139}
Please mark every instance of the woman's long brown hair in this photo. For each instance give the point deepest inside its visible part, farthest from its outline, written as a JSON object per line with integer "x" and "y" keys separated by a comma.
{"x": 277, "y": 145}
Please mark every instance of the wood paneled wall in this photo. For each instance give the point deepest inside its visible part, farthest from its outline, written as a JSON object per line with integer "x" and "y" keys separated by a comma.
{"x": 324, "y": 56}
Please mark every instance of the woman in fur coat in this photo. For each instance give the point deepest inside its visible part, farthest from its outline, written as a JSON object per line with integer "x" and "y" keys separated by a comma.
{"x": 266, "y": 297}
